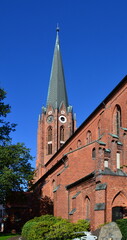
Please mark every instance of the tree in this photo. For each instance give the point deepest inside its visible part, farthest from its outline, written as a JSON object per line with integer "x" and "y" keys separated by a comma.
{"x": 5, "y": 127}
{"x": 16, "y": 171}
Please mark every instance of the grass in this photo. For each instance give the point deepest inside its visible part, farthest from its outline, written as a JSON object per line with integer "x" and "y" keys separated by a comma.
{"x": 7, "y": 236}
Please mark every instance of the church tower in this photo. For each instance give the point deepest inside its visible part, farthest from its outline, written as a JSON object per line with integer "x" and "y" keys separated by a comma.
{"x": 56, "y": 122}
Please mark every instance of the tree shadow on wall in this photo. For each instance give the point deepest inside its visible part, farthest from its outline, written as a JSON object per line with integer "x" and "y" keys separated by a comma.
{"x": 46, "y": 206}
{"x": 23, "y": 206}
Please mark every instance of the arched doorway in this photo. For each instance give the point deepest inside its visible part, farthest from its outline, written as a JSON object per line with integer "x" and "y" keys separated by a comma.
{"x": 117, "y": 213}
{"x": 119, "y": 206}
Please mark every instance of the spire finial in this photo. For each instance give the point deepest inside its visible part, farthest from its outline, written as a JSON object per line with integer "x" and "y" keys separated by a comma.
{"x": 57, "y": 28}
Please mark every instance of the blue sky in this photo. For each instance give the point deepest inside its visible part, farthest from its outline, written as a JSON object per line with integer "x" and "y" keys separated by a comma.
{"x": 93, "y": 39}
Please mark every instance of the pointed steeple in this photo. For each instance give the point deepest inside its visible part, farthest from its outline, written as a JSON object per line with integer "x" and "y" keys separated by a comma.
{"x": 57, "y": 89}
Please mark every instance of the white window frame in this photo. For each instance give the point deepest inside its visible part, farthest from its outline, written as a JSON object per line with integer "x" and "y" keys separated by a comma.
{"x": 118, "y": 160}
{"x": 106, "y": 163}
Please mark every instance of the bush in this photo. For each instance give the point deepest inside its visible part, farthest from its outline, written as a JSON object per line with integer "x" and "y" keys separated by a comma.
{"x": 82, "y": 225}
{"x": 122, "y": 224}
{"x": 39, "y": 230}
{"x": 62, "y": 229}
{"x": 46, "y": 217}
{"x": 48, "y": 227}
{"x": 28, "y": 225}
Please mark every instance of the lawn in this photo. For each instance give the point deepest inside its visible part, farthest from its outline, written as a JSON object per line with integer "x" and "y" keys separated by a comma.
{"x": 6, "y": 236}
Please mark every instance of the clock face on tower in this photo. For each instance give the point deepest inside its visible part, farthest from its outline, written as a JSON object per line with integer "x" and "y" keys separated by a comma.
{"x": 49, "y": 119}
{"x": 62, "y": 119}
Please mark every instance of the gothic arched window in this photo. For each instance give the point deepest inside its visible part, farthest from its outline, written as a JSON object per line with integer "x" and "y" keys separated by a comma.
{"x": 53, "y": 184}
{"x": 88, "y": 137}
{"x": 49, "y": 150}
{"x": 87, "y": 208}
{"x": 94, "y": 153}
{"x": 99, "y": 128}
{"x": 62, "y": 133}
{"x": 49, "y": 133}
{"x": 117, "y": 120}
{"x": 101, "y": 152}
{"x": 79, "y": 143}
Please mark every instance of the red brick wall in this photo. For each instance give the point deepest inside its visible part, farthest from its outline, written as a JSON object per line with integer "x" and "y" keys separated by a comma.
{"x": 81, "y": 164}
{"x": 42, "y": 136}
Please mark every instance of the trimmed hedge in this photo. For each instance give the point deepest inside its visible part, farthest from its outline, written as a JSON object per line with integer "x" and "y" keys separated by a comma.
{"x": 48, "y": 227}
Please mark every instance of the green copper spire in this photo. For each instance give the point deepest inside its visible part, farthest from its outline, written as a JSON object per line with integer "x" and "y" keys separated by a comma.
{"x": 57, "y": 90}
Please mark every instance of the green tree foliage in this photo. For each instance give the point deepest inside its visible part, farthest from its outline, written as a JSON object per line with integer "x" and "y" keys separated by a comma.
{"x": 15, "y": 169}
{"x": 48, "y": 227}
{"x": 5, "y": 127}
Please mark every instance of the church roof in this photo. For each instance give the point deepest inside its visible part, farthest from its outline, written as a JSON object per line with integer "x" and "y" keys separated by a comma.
{"x": 57, "y": 89}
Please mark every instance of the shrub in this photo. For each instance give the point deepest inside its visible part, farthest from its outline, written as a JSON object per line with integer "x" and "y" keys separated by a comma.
{"x": 82, "y": 225}
{"x": 30, "y": 224}
{"x": 122, "y": 224}
{"x": 46, "y": 217}
{"x": 48, "y": 227}
{"x": 39, "y": 230}
{"x": 26, "y": 228}
{"x": 62, "y": 229}
{"x": 41, "y": 223}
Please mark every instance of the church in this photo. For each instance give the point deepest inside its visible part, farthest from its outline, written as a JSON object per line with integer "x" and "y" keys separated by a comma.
{"x": 84, "y": 170}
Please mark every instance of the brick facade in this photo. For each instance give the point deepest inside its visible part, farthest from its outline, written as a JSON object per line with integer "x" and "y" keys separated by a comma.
{"x": 56, "y": 140}
{"x": 87, "y": 177}
{"x": 84, "y": 172}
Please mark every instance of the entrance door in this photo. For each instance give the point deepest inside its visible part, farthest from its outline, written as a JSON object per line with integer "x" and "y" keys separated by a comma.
{"x": 117, "y": 213}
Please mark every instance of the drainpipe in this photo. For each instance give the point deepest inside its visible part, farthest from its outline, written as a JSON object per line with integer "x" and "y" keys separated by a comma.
{"x": 68, "y": 204}
{"x": 105, "y": 205}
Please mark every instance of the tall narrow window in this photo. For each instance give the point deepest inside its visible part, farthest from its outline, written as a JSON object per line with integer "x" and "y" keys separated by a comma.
{"x": 99, "y": 128}
{"x": 53, "y": 184}
{"x": 87, "y": 208}
{"x": 118, "y": 160}
{"x": 88, "y": 137}
{"x": 117, "y": 120}
{"x": 62, "y": 133}
{"x": 49, "y": 148}
{"x": 49, "y": 140}
{"x": 93, "y": 153}
{"x": 79, "y": 143}
{"x": 106, "y": 163}
{"x": 49, "y": 133}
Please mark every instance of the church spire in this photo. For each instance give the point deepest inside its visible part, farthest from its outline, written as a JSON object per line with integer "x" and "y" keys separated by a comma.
{"x": 56, "y": 122}
{"x": 57, "y": 90}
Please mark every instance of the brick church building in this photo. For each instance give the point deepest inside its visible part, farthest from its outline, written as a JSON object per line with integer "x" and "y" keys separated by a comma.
{"x": 83, "y": 171}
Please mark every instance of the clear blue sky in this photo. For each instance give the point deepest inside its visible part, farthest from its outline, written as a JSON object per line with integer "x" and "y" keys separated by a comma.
{"x": 93, "y": 39}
